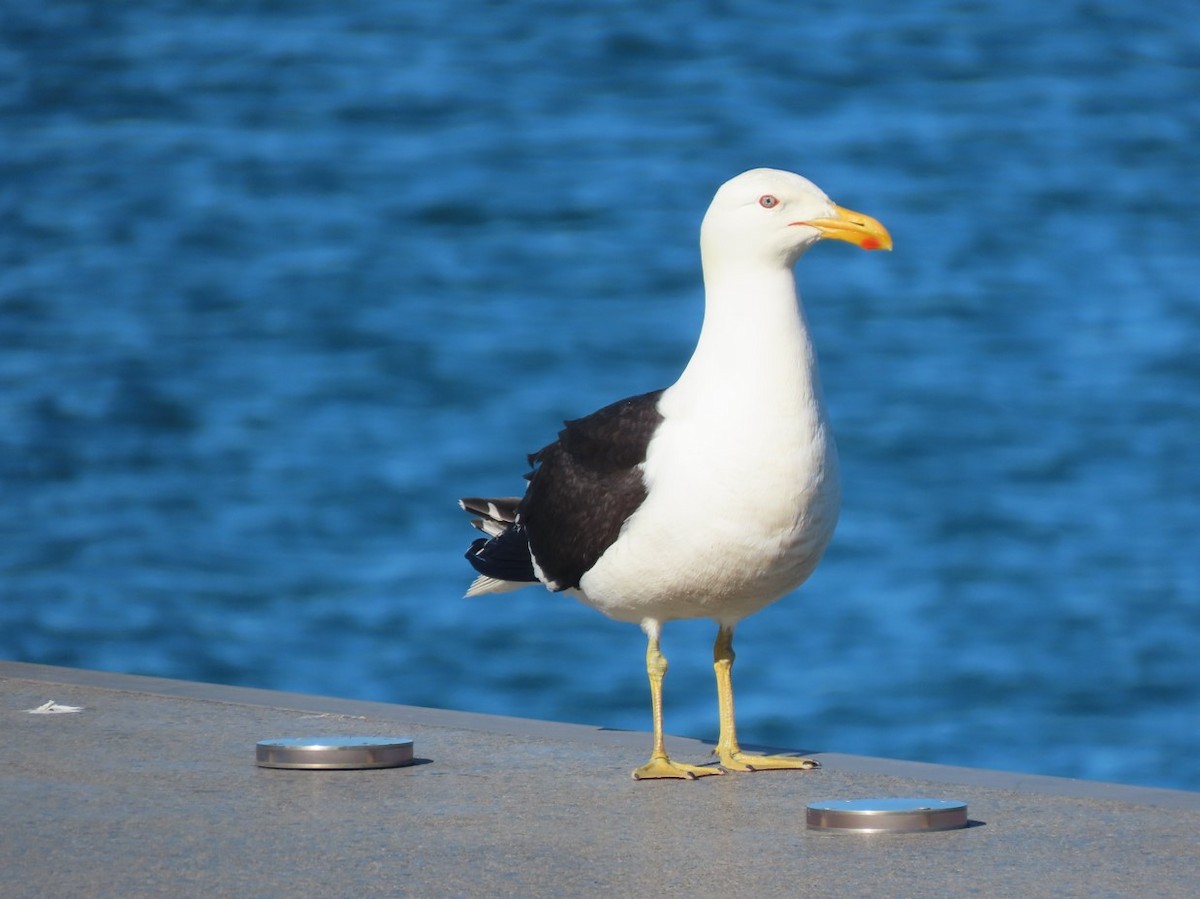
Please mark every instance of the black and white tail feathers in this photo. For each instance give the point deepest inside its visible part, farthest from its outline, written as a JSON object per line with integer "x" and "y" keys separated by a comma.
{"x": 502, "y": 558}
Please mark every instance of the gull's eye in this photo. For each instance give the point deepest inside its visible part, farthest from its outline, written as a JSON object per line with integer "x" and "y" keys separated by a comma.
{"x": 766, "y": 201}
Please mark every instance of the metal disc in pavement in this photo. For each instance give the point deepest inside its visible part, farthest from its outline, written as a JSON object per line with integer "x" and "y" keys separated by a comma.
{"x": 887, "y": 815}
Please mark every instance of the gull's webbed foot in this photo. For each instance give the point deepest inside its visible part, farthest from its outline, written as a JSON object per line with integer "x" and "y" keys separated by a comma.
{"x": 736, "y": 760}
{"x": 660, "y": 766}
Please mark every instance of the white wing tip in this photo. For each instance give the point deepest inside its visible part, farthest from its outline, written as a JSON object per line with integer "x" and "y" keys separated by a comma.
{"x": 484, "y": 584}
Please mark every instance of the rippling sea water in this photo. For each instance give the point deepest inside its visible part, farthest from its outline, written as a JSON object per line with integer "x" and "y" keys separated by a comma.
{"x": 280, "y": 281}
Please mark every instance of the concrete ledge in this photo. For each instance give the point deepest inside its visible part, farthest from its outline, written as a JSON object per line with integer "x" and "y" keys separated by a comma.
{"x": 153, "y": 791}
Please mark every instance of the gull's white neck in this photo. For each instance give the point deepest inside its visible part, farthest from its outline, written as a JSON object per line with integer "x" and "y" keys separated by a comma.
{"x": 754, "y": 353}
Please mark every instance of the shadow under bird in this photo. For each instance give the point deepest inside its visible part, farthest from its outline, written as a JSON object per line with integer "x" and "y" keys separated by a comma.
{"x": 711, "y": 498}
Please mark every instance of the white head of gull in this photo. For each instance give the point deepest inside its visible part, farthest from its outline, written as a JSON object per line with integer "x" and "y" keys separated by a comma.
{"x": 714, "y": 497}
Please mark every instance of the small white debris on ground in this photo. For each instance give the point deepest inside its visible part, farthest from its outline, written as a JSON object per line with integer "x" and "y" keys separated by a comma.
{"x": 54, "y": 708}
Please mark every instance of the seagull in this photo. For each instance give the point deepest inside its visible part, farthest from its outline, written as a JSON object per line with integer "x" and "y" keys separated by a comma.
{"x": 711, "y": 498}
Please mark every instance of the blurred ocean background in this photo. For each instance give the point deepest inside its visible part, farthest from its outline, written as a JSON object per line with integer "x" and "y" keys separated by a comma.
{"x": 280, "y": 281}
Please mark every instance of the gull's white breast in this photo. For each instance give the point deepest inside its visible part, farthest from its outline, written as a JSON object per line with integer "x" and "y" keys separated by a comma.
{"x": 742, "y": 500}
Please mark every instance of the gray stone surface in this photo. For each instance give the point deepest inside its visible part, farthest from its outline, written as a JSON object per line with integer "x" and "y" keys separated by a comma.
{"x": 152, "y": 790}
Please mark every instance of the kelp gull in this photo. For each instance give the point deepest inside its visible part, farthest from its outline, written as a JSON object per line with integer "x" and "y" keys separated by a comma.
{"x": 709, "y": 499}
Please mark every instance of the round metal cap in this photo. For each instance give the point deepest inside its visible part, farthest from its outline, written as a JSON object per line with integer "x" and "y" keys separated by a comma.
{"x": 908, "y": 815}
{"x": 330, "y": 753}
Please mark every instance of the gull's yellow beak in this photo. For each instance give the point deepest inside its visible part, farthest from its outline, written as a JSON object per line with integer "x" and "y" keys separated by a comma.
{"x": 853, "y": 227}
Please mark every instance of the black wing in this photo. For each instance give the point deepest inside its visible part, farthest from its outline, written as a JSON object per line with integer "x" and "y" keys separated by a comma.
{"x": 584, "y": 487}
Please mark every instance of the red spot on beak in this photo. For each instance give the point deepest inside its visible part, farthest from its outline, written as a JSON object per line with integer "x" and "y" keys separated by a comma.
{"x": 870, "y": 243}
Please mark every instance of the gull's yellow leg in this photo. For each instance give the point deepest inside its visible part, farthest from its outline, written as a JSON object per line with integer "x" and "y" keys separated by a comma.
{"x": 727, "y": 750}
{"x": 660, "y": 765}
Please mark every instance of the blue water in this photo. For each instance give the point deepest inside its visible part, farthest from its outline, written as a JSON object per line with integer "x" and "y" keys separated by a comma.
{"x": 280, "y": 281}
